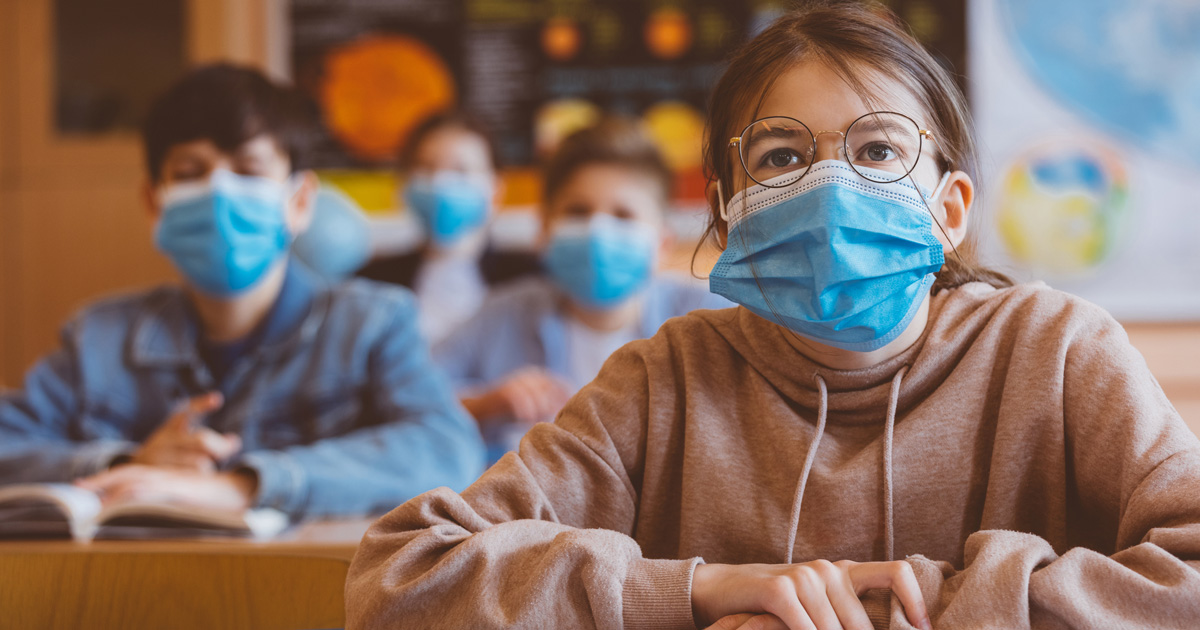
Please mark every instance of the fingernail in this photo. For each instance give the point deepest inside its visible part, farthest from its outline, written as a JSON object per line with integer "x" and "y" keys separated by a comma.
{"x": 926, "y": 625}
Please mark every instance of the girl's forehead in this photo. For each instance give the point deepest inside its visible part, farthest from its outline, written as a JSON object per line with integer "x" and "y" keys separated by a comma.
{"x": 817, "y": 96}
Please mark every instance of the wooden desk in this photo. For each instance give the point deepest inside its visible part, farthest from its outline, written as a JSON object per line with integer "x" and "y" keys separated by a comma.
{"x": 323, "y": 539}
{"x": 293, "y": 581}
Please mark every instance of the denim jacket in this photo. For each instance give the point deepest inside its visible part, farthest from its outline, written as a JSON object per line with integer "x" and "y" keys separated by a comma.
{"x": 339, "y": 407}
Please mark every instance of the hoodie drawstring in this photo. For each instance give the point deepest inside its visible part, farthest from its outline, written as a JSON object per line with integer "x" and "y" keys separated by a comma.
{"x": 822, "y": 413}
{"x": 889, "y": 430}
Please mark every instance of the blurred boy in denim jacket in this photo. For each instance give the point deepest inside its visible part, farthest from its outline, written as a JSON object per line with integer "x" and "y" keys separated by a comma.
{"x": 254, "y": 384}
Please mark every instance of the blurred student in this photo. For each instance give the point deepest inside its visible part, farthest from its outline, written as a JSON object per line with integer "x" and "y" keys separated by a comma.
{"x": 253, "y": 383}
{"x": 537, "y": 341}
{"x": 452, "y": 185}
{"x": 880, "y": 413}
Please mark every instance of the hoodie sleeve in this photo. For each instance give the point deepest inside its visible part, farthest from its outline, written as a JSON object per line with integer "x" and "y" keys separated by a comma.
{"x": 543, "y": 539}
{"x": 1132, "y": 464}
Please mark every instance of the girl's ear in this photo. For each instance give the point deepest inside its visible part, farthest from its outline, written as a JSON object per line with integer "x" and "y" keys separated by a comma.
{"x": 712, "y": 194}
{"x": 957, "y": 200}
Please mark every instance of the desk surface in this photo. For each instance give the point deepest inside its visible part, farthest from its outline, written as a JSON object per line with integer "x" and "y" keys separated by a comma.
{"x": 329, "y": 539}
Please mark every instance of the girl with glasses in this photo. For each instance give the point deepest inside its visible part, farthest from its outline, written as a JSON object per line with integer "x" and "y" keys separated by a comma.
{"x": 884, "y": 434}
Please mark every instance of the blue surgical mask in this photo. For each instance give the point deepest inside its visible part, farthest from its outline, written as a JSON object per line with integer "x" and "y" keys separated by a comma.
{"x": 834, "y": 257}
{"x": 338, "y": 241}
{"x": 449, "y": 204}
{"x": 225, "y": 233}
{"x": 602, "y": 261}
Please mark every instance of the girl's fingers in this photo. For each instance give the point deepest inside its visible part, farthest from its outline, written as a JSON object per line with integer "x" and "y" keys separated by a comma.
{"x": 899, "y": 577}
{"x": 847, "y": 605}
{"x": 763, "y": 622}
{"x": 812, "y": 590}
{"x": 908, "y": 590}
{"x": 781, "y": 600}
{"x": 732, "y": 622}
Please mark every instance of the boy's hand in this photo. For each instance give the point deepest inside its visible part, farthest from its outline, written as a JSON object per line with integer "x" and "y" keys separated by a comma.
{"x": 531, "y": 395}
{"x": 227, "y": 491}
{"x": 179, "y": 443}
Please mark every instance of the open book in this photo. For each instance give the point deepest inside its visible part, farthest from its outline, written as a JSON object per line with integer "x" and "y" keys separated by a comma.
{"x": 55, "y": 510}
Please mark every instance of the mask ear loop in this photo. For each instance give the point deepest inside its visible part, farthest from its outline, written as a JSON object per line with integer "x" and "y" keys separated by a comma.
{"x": 936, "y": 193}
{"x": 721, "y": 204}
{"x": 723, "y": 213}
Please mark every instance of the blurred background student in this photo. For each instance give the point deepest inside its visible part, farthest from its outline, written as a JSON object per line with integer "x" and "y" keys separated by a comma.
{"x": 535, "y": 342}
{"x": 252, "y": 382}
{"x": 452, "y": 186}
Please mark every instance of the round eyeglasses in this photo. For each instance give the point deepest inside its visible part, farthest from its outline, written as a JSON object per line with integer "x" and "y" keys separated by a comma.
{"x": 882, "y": 147}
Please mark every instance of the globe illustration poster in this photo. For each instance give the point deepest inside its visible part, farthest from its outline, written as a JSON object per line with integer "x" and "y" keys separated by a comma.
{"x": 1063, "y": 207}
{"x": 1087, "y": 113}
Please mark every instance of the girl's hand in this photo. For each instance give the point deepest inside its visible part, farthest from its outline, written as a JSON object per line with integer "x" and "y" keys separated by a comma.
{"x": 817, "y": 595}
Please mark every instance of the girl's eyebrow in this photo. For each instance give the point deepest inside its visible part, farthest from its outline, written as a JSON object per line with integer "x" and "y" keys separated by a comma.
{"x": 779, "y": 131}
{"x": 874, "y": 123}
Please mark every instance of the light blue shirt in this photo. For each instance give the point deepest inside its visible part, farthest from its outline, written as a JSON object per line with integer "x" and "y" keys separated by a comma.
{"x": 523, "y": 324}
{"x": 338, "y": 405}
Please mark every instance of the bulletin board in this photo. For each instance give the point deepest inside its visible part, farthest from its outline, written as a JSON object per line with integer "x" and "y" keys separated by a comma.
{"x": 534, "y": 70}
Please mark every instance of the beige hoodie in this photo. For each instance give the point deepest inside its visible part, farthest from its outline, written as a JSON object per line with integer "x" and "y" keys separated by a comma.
{"x": 1034, "y": 475}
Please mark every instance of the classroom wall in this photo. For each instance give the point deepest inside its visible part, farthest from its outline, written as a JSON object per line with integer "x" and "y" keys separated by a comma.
{"x": 7, "y": 174}
{"x": 73, "y": 225}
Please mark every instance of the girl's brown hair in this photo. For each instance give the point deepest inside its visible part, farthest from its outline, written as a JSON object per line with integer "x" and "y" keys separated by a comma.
{"x": 857, "y": 40}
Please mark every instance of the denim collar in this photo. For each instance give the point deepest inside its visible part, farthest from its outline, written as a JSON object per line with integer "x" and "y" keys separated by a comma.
{"x": 166, "y": 333}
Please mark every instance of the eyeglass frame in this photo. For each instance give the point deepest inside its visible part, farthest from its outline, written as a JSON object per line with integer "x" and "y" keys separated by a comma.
{"x": 922, "y": 134}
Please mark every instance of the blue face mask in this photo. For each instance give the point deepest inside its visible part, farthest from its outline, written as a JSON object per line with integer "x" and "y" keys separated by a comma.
{"x": 449, "y": 204}
{"x": 338, "y": 241}
{"x": 603, "y": 261}
{"x": 225, "y": 233}
{"x": 833, "y": 257}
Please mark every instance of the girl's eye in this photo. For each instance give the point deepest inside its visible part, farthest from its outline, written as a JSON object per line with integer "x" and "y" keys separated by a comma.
{"x": 879, "y": 152}
{"x": 781, "y": 158}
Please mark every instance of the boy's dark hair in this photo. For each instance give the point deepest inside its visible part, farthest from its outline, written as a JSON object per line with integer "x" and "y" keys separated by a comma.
{"x": 228, "y": 105}
{"x": 615, "y": 140}
{"x": 448, "y": 119}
